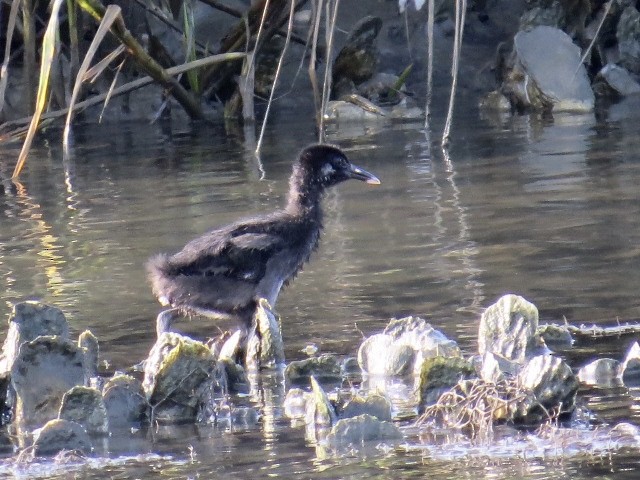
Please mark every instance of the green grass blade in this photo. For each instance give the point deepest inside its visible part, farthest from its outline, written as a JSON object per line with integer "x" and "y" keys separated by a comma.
{"x": 48, "y": 51}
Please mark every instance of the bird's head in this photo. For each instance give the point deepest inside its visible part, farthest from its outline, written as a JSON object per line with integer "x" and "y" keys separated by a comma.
{"x": 326, "y": 165}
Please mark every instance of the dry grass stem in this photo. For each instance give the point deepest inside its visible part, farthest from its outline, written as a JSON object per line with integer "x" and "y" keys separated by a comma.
{"x": 277, "y": 75}
{"x": 4, "y": 70}
{"x": 461, "y": 9}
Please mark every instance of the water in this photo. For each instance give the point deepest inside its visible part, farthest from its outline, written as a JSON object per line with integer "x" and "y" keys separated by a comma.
{"x": 546, "y": 208}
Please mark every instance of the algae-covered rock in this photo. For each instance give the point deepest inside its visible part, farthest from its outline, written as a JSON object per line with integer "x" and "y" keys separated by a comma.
{"x": 125, "y": 401}
{"x": 508, "y": 328}
{"x": 325, "y": 368}
{"x": 374, "y": 404}
{"x": 556, "y": 337}
{"x": 319, "y": 410}
{"x": 439, "y": 374}
{"x": 85, "y": 406}
{"x": 179, "y": 377}
{"x": 265, "y": 348}
{"x": 602, "y": 372}
{"x": 59, "y": 435}
{"x": 553, "y": 384}
{"x": 548, "y": 73}
{"x": 495, "y": 368}
{"x": 28, "y": 321}
{"x": 361, "y": 429}
{"x": 43, "y": 371}
{"x": 88, "y": 343}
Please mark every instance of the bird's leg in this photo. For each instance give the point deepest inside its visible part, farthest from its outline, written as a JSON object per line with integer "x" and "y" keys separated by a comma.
{"x": 165, "y": 320}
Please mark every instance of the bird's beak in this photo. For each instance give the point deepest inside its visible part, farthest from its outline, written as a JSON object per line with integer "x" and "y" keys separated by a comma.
{"x": 358, "y": 173}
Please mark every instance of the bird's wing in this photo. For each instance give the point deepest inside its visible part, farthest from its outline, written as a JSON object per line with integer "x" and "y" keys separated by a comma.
{"x": 238, "y": 253}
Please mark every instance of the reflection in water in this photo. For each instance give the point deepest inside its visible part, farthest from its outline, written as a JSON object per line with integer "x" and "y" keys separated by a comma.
{"x": 545, "y": 208}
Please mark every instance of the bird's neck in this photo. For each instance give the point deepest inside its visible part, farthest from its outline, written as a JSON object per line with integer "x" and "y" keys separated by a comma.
{"x": 305, "y": 199}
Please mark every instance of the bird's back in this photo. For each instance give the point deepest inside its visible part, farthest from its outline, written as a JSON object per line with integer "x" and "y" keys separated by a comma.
{"x": 225, "y": 270}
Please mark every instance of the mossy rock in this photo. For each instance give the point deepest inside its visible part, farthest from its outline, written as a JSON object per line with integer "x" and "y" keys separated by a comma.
{"x": 439, "y": 374}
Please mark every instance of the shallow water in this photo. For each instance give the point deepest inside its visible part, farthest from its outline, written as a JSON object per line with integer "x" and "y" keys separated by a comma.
{"x": 546, "y": 208}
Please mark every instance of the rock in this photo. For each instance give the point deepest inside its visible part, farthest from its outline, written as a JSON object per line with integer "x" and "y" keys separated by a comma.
{"x": 350, "y": 367}
{"x": 342, "y": 111}
{"x": 508, "y": 328}
{"x": 630, "y": 368}
{"x": 548, "y": 73}
{"x": 556, "y": 337}
{"x": 125, "y": 402}
{"x": 235, "y": 378}
{"x": 265, "y": 348}
{"x": 319, "y": 410}
{"x": 402, "y": 347}
{"x": 602, "y": 372}
{"x": 88, "y": 344}
{"x": 439, "y": 374}
{"x": 495, "y": 101}
{"x": 628, "y": 35}
{"x": 358, "y": 59}
{"x": 43, "y": 371}
{"x": 231, "y": 417}
{"x": 179, "y": 378}
{"x": 380, "y": 89}
{"x": 59, "y": 435}
{"x": 28, "y": 321}
{"x": 373, "y": 404}
{"x": 324, "y": 368}
{"x": 295, "y": 404}
{"x": 495, "y": 368}
{"x": 406, "y": 109}
{"x": 85, "y": 406}
{"x": 361, "y": 429}
{"x": 615, "y": 81}
{"x": 552, "y": 16}
{"x": 380, "y": 354}
{"x": 553, "y": 386}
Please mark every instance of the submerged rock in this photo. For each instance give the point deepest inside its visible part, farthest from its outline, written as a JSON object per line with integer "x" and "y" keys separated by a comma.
{"x": 125, "y": 401}
{"x": 373, "y": 404}
{"x": 43, "y": 371}
{"x": 179, "y": 378}
{"x": 85, "y": 406}
{"x": 553, "y": 385}
{"x": 602, "y": 372}
{"x": 360, "y": 429}
{"x": 61, "y": 435}
{"x": 439, "y": 374}
{"x": 508, "y": 328}
{"x": 28, "y": 321}
{"x": 295, "y": 404}
{"x": 265, "y": 348}
{"x": 548, "y": 73}
{"x": 325, "y": 368}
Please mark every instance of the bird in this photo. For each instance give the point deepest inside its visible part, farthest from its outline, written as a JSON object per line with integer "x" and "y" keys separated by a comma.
{"x": 224, "y": 273}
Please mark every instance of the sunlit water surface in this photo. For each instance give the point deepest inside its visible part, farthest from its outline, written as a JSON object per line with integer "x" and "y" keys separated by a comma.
{"x": 546, "y": 208}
